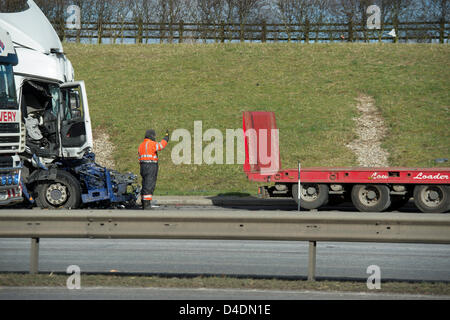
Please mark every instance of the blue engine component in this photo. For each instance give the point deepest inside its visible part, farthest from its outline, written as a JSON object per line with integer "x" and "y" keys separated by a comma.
{"x": 104, "y": 184}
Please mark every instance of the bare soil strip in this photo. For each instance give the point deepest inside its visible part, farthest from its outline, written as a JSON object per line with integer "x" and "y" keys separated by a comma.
{"x": 371, "y": 130}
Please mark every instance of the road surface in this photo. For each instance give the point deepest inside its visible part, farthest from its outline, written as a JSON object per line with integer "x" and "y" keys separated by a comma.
{"x": 283, "y": 259}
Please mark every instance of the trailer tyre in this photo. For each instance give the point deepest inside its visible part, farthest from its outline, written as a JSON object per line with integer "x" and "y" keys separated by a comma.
{"x": 432, "y": 198}
{"x": 312, "y": 195}
{"x": 63, "y": 192}
{"x": 371, "y": 197}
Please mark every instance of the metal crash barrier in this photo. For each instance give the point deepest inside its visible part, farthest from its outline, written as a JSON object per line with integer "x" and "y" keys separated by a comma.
{"x": 236, "y": 225}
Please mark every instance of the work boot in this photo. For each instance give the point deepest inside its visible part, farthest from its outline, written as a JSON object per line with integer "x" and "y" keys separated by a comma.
{"x": 147, "y": 204}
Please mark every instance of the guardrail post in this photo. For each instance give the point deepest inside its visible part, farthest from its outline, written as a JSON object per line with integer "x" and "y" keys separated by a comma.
{"x": 34, "y": 256}
{"x": 312, "y": 261}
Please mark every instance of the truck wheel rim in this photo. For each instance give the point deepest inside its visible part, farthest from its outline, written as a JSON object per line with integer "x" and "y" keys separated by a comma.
{"x": 310, "y": 192}
{"x": 56, "y": 194}
{"x": 431, "y": 196}
{"x": 369, "y": 195}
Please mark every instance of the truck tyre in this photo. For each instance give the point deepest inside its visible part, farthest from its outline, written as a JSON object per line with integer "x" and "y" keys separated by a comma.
{"x": 312, "y": 195}
{"x": 371, "y": 197}
{"x": 63, "y": 192}
{"x": 432, "y": 198}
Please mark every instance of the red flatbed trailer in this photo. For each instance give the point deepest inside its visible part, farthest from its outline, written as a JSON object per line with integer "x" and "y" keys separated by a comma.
{"x": 370, "y": 189}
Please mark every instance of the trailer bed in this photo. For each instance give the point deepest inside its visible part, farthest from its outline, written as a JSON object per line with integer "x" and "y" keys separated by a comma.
{"x": 356, "y": 175}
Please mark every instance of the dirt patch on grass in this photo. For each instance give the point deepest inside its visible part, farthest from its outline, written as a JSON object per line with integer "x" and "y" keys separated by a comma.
{"x": 371, "y": 130}
{"x": 103, "y": 149}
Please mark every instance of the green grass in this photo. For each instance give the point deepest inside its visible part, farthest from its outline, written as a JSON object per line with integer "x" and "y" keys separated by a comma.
{"x": 89, "y": 280}
{"x": 311, "y": 88}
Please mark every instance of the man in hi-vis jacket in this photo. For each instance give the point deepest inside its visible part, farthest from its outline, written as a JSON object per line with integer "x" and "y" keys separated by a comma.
{"x": 148, "y": 161}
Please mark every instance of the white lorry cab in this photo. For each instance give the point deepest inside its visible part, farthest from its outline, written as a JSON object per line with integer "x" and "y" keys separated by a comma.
{"x": 50, "y": 110}
{"x": 53, "y": 106}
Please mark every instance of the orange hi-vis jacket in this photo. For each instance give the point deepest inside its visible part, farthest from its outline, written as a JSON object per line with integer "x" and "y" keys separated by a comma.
{"x": 148, "y": 150}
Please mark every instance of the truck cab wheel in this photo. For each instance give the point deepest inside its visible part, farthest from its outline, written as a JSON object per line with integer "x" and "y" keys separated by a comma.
{"x": 312, "y": 195}
{"x": 371, "y": 197}
{"x": 63, "y": 192}
{"x": 432, "y": 198}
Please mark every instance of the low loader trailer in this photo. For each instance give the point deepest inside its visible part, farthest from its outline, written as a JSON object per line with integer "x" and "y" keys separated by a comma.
{"x": 369, "y": 189}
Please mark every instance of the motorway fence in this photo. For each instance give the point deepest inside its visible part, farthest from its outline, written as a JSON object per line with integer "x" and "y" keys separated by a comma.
{"x": 145, "y": 32}
{"x": 236, "y": 225}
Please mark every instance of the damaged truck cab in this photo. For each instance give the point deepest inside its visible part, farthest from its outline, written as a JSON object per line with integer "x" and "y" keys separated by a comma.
{"x": 59, "y": 168}
{"x": 56, "y": 117}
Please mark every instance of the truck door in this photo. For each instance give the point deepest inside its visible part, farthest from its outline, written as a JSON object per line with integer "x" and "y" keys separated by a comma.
{"x": 76, "y": 132}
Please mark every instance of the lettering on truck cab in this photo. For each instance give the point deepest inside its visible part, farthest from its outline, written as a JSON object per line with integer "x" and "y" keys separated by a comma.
{"x": 7, "y": 116}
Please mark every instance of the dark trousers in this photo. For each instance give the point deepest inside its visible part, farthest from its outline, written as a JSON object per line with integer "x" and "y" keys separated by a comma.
{"x": 149, "y": 174}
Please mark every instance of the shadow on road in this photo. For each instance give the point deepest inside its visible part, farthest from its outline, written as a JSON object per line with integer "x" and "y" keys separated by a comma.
{"x": 247, "y": 202}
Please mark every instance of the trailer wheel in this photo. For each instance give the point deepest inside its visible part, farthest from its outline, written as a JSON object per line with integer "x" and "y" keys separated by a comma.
{"x": 371, "y": 197}
{"x": 432, "y": 198}
{"x": 312, "y": 195}
{"x": 63, "y": 192}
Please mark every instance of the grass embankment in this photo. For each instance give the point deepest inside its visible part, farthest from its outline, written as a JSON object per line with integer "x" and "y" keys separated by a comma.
{"x": 16, "y": 280}
{"x": 311, "y": 88}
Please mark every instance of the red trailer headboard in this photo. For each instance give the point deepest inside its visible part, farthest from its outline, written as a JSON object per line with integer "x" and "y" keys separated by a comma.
{"x": 262, "y": 153}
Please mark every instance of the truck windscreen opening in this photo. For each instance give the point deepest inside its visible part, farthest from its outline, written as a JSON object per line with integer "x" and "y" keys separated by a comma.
{"x": 8, "y": 98}
{"x": 40, "y": 107}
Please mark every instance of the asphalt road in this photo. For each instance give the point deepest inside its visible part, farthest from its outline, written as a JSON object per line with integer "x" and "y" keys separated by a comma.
{"x": 239, "y": 258}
